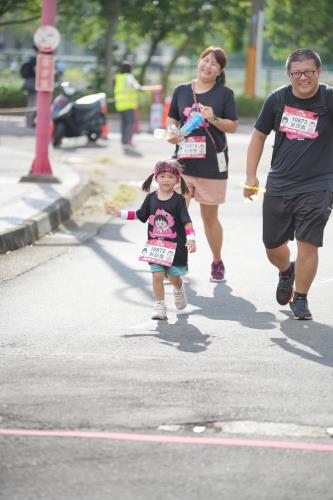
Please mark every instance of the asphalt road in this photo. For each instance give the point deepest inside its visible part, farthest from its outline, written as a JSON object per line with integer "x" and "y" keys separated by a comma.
{"x": 80, "y": 354}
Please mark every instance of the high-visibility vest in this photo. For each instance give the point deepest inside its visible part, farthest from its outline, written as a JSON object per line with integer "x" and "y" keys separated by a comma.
{"x": 125, "y": 96}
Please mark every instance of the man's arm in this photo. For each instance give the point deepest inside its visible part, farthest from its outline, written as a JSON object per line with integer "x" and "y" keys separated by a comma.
{"x": 254, "y": 153}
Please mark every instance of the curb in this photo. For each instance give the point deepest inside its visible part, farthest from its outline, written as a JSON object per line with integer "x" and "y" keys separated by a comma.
{"x": 46, "y": 221}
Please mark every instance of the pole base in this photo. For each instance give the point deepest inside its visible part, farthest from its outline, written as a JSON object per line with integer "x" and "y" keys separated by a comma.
{"x": 40, "y": 178}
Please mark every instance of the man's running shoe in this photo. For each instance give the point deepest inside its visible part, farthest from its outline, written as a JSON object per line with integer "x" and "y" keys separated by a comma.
{"x": 218, "y": 271}
{"x": 284, "y": 291}
{"x": 159, "y": 310}
{"x": 299, "y": 307}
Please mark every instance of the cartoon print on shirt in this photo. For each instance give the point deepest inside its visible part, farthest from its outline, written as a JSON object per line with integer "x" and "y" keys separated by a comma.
{"x": 162, "y": 223}
{"x": 188, "y": 112}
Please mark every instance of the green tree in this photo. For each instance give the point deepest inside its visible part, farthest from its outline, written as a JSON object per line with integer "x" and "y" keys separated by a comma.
{"x": 18, "y": 11}
{"x": 187, "y": 25}
{"x": 290, "y": 25}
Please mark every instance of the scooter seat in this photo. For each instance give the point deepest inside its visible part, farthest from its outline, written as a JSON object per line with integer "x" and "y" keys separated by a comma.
{"x": 89, "y": 100}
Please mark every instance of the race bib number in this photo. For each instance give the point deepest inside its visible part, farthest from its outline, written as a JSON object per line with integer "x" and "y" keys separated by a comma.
{"x": 192, "y": 147}
{"x": 299, "y": 123}
{"x": 159, "y": 252}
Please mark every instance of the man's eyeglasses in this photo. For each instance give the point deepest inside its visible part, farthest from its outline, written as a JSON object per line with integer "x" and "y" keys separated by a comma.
{"x": 308, "y": 73}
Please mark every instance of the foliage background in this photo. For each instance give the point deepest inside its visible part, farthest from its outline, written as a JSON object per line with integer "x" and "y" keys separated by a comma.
{"x": 114, "y": 30}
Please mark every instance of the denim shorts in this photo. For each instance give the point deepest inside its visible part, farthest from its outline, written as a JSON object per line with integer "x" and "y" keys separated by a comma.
{"x": 172, "y": 271}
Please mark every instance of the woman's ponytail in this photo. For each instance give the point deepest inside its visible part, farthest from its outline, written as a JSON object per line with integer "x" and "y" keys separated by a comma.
{"x": 221, "y": 77}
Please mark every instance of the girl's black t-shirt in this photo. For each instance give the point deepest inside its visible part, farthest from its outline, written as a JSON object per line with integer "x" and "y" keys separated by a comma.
{"x": 221, "y": 99}
{"x": 166, "y": 220}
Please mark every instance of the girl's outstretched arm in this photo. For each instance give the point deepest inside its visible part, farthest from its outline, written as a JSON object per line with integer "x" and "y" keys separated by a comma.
{"x": 123, "y": 214}
{"x": 111, "y": 209}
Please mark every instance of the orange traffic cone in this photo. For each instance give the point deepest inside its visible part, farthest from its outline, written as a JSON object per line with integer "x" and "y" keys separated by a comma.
{"x": 166, "y": 108}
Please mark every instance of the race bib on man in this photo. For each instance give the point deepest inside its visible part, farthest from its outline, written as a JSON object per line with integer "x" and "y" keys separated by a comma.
{"x": 192, "y": 147}
{"x": 299, "y": 123}
{"x": 159, "y": 252}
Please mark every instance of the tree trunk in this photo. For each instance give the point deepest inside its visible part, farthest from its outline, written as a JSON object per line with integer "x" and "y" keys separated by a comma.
{"x": 111, "y": 10}
{"x": 153, "y": 45}
{"x": 169, "y": 67}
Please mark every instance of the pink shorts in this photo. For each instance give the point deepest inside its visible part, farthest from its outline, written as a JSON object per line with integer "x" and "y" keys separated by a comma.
{"x": 206, "y": 191}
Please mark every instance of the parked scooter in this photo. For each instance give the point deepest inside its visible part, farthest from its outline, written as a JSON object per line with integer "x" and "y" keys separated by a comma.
{"x": 76, "y": 117}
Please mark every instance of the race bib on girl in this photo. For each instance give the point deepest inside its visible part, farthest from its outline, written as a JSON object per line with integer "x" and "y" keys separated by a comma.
{"x": 159, "y": 252}
{"x": 298, "y": 124}
{"x": 192, "y": 147}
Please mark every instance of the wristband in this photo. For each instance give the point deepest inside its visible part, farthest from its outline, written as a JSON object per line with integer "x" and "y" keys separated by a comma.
{"x": 255, "y": 188}
{"x": 190, "y": 234}
{"x": 127, "y": 214}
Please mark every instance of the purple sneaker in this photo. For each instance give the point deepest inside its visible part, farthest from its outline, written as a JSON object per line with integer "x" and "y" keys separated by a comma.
{"x": 218, "y": 271}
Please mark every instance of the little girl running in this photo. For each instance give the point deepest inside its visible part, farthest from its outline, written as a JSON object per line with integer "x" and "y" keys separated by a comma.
{"x": 170, "y": 233}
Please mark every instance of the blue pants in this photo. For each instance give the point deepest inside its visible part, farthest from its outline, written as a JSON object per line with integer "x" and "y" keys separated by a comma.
{"x": 127, "y": 125}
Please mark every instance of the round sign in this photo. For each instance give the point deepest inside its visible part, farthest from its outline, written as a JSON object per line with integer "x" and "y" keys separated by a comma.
{"x": 47, "y": 38}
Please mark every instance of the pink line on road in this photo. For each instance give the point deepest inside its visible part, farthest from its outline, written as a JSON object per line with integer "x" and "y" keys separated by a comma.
{"x": 157, "y": 438}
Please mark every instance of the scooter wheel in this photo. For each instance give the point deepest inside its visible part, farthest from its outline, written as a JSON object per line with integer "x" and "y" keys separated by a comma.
{"x": 56, "y": 142}
{"x": 93, "y": 136}
{"x": 58, "y": 134}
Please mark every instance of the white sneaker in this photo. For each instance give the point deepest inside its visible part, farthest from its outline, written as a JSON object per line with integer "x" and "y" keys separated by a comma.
{"x": 180, "y": 298}
{"x": 159, "y": 310}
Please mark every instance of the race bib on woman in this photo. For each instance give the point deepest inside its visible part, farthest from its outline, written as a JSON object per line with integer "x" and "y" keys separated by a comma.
{"x": 192, "y": 147}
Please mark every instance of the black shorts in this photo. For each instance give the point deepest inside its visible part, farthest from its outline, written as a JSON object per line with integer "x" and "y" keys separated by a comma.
{"x": 303, "y": 216}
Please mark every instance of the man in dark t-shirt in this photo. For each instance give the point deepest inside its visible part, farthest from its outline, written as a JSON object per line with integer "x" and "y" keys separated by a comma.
{"x": 299, "y": 189}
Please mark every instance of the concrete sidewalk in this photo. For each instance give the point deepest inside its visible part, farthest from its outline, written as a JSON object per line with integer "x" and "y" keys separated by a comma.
{"x": 29, "y": 210}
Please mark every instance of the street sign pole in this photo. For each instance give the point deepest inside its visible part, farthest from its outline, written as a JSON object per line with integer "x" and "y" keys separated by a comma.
{"x": 251, "y": 54}
{"x": 46, "y": 39}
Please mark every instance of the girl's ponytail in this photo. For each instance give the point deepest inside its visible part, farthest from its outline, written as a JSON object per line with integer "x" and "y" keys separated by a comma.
{"x": 183, "y": 186}
{"x": 147, "y": 183}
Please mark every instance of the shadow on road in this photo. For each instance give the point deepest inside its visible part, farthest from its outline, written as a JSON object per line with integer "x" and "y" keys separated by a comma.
{"x": 71, "y": 148}
{"x": 312, "y": 335}
{"x": 182, "y": 335}
{"x": 225, "y": 306}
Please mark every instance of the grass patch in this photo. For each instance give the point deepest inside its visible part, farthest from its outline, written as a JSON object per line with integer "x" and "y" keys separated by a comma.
{"x": 104, "y": 159}
{"x": 123, "y": 195}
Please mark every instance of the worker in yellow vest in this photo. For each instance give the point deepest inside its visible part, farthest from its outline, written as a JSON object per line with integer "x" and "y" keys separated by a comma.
{"x": 126, "y": 102}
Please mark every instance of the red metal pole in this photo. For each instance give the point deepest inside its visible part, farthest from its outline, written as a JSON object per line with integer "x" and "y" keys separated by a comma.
{"x": 41, "y": 166}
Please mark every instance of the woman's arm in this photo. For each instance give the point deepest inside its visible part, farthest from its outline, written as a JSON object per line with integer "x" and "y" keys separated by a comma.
{"x": 222, "y": 124}
{"x": 173, "y": 138}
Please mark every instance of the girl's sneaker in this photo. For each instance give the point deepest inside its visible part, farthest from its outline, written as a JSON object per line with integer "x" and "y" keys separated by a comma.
{"x": 159, "y": 310}
{"x": 180, "y": 298}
